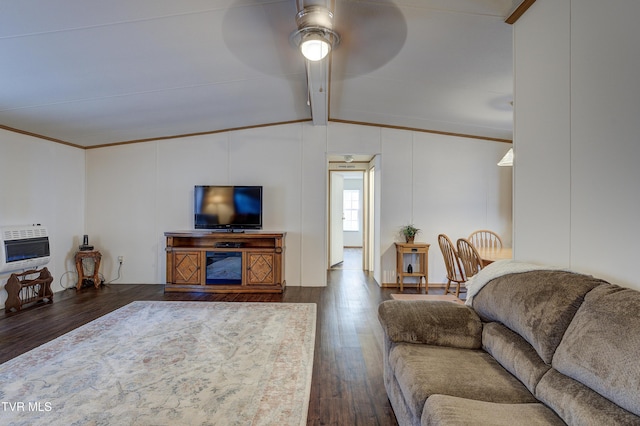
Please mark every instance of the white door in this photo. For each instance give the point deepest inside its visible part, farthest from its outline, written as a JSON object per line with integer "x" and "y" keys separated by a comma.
{"x": 370, "y": 212}
{"x": 336, "y": 237}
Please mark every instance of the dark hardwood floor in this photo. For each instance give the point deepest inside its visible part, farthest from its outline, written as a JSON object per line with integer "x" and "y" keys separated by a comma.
{"x": 347, "y": 386}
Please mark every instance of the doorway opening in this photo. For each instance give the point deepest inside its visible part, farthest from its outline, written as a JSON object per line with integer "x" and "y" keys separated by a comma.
{"x": 350, "y": 213}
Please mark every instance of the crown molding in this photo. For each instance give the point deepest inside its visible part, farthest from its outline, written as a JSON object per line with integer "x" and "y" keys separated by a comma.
{"x": 415, "y": 129}
{"x": 519, "y": 11}
{"x": 35, "y": 135}
{"x": 231, "y": 129}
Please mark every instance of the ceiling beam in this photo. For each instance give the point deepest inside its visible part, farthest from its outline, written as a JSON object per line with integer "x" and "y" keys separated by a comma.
{"x": 318, "y": 86}
{"x": 519, "y": 11}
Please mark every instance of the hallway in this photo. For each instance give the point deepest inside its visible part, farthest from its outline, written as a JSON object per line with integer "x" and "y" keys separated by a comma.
{"x": 352, "y": 259}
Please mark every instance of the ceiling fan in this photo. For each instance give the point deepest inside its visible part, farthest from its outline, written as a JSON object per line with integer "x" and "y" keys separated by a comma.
{"x": 315, "y": 36}
{"x": 360, "y": 35}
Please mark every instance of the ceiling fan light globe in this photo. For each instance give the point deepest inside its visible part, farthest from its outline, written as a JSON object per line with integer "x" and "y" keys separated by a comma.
{"x": 315, "y": 48}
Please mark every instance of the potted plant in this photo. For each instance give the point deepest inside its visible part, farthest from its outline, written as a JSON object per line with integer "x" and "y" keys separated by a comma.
{"x": 409, "y": 232}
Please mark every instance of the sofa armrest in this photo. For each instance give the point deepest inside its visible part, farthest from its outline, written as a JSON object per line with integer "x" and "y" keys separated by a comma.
{"x": 431, "y": 322}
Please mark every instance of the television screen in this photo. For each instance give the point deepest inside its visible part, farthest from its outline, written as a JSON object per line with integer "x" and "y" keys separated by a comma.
{"x": 228, "y": 207}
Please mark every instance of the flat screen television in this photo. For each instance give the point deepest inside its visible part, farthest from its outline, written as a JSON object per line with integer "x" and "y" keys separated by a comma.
{"x": 228, "y": 207}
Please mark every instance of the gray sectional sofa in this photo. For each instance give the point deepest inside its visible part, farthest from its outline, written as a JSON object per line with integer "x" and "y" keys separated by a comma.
{"x": 535, "y": 347}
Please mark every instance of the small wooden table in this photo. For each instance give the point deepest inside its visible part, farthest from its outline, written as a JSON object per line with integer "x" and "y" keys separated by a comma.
{"x": 489, "y": 255}
{"x": 95, "y": 255}
{"x": 419, "y": 263}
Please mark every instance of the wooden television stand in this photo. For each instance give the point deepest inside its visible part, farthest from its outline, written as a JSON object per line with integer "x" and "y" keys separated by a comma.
{"x": 225, "y": 262}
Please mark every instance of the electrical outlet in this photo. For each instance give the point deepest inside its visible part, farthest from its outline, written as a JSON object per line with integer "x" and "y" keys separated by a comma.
{"x": 121, "y": 259}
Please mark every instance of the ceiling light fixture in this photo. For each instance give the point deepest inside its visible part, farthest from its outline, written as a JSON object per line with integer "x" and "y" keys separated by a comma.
{"x": 314, "y": 47}
{"x": 315, "y": 36}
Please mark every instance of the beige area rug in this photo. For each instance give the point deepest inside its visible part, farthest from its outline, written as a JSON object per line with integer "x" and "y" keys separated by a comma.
{"x": 169, "y": 363}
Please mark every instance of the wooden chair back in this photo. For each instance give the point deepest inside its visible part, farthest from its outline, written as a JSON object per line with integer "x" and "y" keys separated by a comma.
{"x": 469, "y": 258}
{"x": 452, "y": 263}
{"x": 483, "y": 238}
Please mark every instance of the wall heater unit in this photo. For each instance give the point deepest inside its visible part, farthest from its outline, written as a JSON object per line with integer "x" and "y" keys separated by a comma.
{"x": 23, "y": 247}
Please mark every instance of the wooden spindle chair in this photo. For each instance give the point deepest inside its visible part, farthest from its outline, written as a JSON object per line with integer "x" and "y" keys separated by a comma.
{"x": 469, "y": 258}
{"x": 452, "y": 263}
{"x": 483, "y": 238}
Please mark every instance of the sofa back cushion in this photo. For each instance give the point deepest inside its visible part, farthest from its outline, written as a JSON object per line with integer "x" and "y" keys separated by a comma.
{"x": 601, "y": 346}
{"x": 514, "y": 353}
{"x": 538, "y": 305}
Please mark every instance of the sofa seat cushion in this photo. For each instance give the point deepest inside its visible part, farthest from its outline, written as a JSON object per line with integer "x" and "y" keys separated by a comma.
{"x": 538, "y": 305}
{"x": 425, "y": 370}
{"x": 444, "y": 410}
{"x": 601, "y": 346}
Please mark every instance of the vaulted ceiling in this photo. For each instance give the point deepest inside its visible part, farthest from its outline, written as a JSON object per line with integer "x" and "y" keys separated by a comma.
{"x": 91, "y": 73}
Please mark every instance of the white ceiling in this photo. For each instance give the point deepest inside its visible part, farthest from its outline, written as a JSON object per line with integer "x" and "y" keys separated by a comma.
{"x": 95, "y": 72}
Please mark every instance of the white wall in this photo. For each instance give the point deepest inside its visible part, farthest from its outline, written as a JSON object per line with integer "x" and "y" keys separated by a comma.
{"x": 542, "y": 173}
{"x": 576, "y": 137}
{"x": 447, "y": 185}
{"x": 44, "y": 182}
{"x": 139, "y": 191}
{"x": 125, "y": 197}
{"x": 443, "y": 184}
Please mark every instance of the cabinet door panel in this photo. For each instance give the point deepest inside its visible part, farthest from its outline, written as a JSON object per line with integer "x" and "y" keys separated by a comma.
{"x": 260, "y": 268}
{"x": 187, "y": 267}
